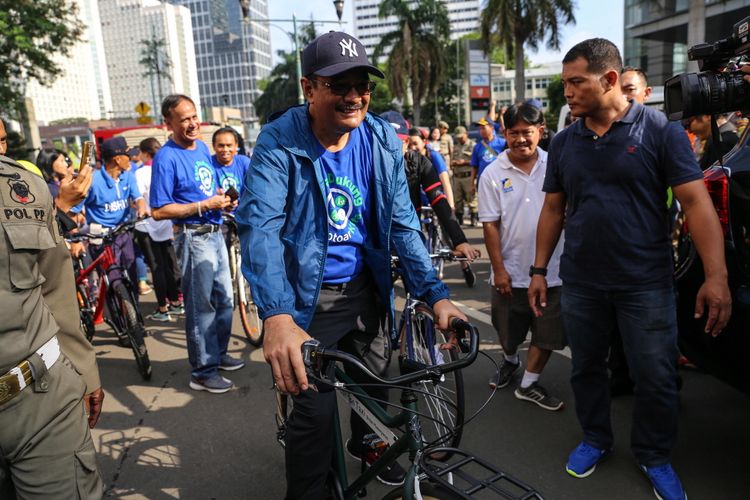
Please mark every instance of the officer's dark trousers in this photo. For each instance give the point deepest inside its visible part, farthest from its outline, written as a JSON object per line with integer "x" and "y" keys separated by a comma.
{"x": 647, "y": 321}
{"x": 46, "y": 451}
{"x": 350, "y": 319}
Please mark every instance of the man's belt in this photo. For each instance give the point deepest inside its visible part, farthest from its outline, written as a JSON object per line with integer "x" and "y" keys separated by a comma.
{"x": 201, "y": 228}
{"x": 20, "y": 376}
{"x": 461, "y": 175}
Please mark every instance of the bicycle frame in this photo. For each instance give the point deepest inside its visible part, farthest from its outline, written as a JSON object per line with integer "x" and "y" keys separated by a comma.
{"x": 381, "y": 422}
{"x": 106, "y": 262}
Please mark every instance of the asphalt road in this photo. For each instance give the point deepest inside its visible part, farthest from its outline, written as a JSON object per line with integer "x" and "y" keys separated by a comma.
{"x": 161, "y": 440}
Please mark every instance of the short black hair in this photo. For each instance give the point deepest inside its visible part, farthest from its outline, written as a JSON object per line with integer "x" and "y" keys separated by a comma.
{"x": 225, "y": 130}
{"x": 46, "y": 158}
{"x": 150, "y": 146}
{"x": 414, "y": 132}
{"x": 171, "y": 101}
{"x": 523, "y": 112}
{"x": 635, "y": 69}
{"x": 600, "y": 53}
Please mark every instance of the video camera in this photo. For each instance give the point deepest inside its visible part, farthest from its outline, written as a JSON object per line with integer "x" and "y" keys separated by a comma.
{"x": 714, "y": 90}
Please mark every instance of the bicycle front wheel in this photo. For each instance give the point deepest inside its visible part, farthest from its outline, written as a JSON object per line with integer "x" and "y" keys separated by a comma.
{"x": 249, "y": 317}
{"x": 134, "y": 328}
{"x": 442, "y": 402}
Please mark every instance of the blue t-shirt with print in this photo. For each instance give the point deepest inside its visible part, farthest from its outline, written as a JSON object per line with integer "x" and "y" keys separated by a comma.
{"x": 485, "y": 153}
{"x": 348, "y": 174}
{"x": 108, "y": 200}
{"x": 437, "y": 161}
{"x": 183, "y": 176}
{"x": 231, "y": 175}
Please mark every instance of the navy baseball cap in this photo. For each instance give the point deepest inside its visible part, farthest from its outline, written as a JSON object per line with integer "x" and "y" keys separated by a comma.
{"x": 336, "y": 52}
{"x": 114, "y": 147}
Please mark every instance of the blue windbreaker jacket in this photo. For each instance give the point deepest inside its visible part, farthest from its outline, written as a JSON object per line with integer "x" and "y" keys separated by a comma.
{"x": 283, "y": 224}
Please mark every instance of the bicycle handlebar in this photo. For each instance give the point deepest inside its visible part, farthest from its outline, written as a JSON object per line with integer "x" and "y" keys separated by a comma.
{"x": 316, "y": 357}
{"x": 443, "y": 253}
{"x": 106, "y": 237}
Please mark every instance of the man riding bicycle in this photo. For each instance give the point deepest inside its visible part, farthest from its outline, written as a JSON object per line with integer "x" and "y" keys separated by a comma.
{"x": 108, "y": 203}
{"x": 326, "y": 202}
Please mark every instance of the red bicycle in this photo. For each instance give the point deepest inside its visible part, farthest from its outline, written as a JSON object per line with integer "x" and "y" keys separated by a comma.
{"x": 111, "y": 301}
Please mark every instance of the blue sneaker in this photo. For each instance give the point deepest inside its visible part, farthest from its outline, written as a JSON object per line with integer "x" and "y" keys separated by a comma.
{"x": 230, "y": 364}
{"x": 215, "y": 384}
{"x": 666, "y": 484}
{"x": 582, "y": 461}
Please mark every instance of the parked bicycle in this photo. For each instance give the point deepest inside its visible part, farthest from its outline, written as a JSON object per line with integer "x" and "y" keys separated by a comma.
{"x": 113, "y": 300}
{"x": 251, "y": 323}
{"x": 435, "y": 240}
{"x": 436, "y": 471}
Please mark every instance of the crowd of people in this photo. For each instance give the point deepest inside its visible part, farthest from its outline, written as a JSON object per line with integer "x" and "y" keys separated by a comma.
{"x": 575, "y": 226}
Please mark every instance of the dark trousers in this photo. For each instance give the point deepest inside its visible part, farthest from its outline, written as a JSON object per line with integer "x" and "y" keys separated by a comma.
{"x": 648, "y": 324}
{"x": 349, "y": 319}
{"x": 162, "y": 260}
{"x": 124, "y": 255}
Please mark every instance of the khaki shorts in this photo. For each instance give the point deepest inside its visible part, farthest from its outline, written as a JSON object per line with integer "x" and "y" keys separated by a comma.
{"x": 513, "y": 318}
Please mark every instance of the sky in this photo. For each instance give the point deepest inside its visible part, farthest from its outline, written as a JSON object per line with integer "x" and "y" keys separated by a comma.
{"x": 594, "y": 18}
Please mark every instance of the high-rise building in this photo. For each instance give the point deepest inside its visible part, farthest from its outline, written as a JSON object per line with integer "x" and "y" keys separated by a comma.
{"x": 233, "y": 54}
{"x": 369, "y": 28}
{"x": 126, "y": 26}
{"x": 82, "y": 91}
{"x": 659, "y": 34}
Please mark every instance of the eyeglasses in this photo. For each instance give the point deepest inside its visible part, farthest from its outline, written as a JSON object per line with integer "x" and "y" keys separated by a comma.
{"x": 342, "y": 89}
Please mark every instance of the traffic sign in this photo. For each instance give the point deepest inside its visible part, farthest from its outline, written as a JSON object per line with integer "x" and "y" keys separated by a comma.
{"x": 142, "y": 108}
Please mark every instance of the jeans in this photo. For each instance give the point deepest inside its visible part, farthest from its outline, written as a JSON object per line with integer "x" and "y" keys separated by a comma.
{"x": 647, "y": 321}
{"x": 207, "y": 289}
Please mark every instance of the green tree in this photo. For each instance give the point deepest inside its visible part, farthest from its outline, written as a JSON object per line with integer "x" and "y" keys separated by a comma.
{"x": 156, "y": 64}
{"x": 416, "y": 65}
{"x": 280, "y": 88}
{"x": 513, "y": 24}
{"x": 33, "y": 33}
{"x": 556, "y": 100}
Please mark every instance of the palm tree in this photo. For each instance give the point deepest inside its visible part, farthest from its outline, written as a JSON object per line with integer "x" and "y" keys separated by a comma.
{"x": 416, "y": 65}
{"x": 156, "y": 64}
{"x": 514, "y": 24}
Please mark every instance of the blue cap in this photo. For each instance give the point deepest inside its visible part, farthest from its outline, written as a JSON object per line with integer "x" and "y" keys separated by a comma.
{"x": 114, "y": 147}
{"x": 536, "y": 103}
{"x": 336, "y": 52}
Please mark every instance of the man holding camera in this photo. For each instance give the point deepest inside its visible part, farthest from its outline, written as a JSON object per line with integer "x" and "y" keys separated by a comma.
{"x": 606, "y": 179}
{"x": 184, "y": 188}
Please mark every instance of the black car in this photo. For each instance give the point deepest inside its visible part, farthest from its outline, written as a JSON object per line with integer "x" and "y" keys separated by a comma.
{"x": 725, "y": 356}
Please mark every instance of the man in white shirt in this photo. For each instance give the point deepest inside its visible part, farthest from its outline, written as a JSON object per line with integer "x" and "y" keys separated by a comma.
{"x": 510, "y": 200}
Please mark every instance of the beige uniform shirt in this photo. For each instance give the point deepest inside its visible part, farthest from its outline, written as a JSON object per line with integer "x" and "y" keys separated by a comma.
{"x": 37, "y": 288}
{"x": 462, "y": 152}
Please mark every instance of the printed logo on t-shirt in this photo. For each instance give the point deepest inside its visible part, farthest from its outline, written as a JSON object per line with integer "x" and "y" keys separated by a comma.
{"x": 204, "y": 174}
{"x": 229, "y": 181}
{"x": 344, "y": 200}
{"x": 506, "y": 185}
{"x": 488, "y": 156}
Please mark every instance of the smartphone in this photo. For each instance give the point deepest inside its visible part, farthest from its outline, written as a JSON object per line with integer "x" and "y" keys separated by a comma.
{"x": 232, "y": 193}
{"x": 86, "y": 154}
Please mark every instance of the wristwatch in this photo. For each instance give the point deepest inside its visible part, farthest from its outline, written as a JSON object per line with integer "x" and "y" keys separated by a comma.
{"x": 537, "y": 270}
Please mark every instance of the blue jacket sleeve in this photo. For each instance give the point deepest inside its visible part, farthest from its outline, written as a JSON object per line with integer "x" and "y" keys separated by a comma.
{"x": 406, "y": 240}
{"x": 260, "y": 218}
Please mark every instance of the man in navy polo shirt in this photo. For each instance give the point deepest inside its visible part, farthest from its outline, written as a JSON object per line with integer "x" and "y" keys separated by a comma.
{"x": 107, "y": 203}
{"x": 486, "y": 150}
{"x": 607, "y": 179}
{"x": 184, "y": 188}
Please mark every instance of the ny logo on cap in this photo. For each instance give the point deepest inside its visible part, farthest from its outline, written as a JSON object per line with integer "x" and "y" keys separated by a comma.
{"x": 350, "y": 46}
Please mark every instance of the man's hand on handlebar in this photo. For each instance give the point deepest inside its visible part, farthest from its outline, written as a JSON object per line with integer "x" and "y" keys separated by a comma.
{"x": 468, "y": 251}
{"x": 444, "y": 311}
{"x": 282, "y": 344}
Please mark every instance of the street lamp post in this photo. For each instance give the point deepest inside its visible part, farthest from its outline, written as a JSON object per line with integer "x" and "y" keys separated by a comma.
{"x": 294, "y": 37}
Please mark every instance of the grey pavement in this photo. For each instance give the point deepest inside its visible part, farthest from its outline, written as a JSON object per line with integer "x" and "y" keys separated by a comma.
{"x": 162, "y": 440}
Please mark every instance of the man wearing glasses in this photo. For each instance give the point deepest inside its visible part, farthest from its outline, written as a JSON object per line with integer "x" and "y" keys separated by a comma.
{"x": 326, "y": 202}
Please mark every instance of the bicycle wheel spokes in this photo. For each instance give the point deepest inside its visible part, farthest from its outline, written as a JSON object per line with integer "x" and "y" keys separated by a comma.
{"x": 423, "y": 343}
{"x": 249, "y": 316}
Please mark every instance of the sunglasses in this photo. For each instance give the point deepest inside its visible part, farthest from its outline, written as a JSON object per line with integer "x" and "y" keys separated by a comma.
{"x": 342, "y": 89}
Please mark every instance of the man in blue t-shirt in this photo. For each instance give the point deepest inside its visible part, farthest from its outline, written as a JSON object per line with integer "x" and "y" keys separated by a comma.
{"x": 113, "y": 189}
{"x": 607, "y": 179}
{"x": 229, "y": 165}
{"x": 486, "y": 150}
{"x": 184, "y": 188}
{"x": 325, "y": 203}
